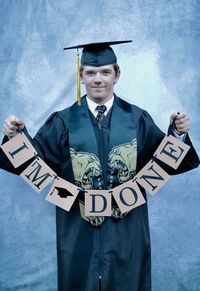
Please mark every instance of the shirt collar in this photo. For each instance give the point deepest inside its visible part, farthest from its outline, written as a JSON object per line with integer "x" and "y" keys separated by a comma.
{"x": 92, "y": 105}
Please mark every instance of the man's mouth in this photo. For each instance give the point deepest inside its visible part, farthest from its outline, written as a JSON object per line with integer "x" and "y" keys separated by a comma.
{"x": 98, "y": 87}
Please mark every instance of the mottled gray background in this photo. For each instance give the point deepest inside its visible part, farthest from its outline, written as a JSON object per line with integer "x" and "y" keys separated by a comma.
{"x": 160, "y": 72}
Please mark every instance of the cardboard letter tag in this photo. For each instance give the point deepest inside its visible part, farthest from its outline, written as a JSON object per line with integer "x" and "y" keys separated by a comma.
{"x": 18, "y": 149}
{"x": 97, "y": 203}
{"x": 152, "y": 177}
{"x": 171, "y": 151}
{"x": 63, "y": 194}
{"x": 128, "y": 196}
{"x": 38, "y": 175}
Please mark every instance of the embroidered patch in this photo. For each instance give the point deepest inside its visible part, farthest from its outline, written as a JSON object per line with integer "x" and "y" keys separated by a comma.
{"x": 122, "y": 163}
{"x": 86, "y": 169}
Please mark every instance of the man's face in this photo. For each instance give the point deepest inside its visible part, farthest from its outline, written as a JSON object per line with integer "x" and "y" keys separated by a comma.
{"x": 99, "y": 82}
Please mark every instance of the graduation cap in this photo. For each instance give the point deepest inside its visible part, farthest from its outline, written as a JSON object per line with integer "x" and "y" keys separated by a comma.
{"x": 96, "y": 55}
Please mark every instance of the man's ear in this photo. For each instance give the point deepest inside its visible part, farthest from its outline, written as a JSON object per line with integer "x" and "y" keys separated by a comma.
{"x": 117, "y": 76}
{"x": 81, "y": 76}
{"x": 81, "y": 79}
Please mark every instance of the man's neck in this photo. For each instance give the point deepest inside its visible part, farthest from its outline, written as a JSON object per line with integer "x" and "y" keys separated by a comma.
{"x": 100, "y": 101}
{"x": 92, "y": 105}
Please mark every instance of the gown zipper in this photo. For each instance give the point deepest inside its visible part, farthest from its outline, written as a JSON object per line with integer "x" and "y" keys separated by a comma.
{"x": 100, "y": 257}
{"x": 100, "y": 245}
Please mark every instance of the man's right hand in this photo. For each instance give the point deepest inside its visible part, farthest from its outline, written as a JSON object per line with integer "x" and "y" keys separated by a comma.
{"x": 12, "y": 125}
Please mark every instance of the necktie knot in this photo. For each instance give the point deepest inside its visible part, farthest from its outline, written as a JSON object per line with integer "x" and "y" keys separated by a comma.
{"x": 101, "y": 109}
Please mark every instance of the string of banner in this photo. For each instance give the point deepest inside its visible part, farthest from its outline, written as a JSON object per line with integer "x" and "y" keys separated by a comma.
{"x": 63, "y": 194}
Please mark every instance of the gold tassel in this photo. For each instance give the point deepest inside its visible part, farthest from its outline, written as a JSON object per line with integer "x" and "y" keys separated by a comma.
{"x": 78, "y": 80}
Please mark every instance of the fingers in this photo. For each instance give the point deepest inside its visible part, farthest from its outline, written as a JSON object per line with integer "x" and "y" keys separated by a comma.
{"x": 173, "y": 117}
{"x": 180, "y": 122}
{"x": 12, "y": 125}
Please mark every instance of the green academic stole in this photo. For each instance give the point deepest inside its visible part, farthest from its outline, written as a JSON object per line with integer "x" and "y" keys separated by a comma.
{"x": 122, "y": 156}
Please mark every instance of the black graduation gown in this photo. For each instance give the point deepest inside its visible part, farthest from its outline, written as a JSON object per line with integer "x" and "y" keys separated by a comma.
{"x": 118, "y": 252}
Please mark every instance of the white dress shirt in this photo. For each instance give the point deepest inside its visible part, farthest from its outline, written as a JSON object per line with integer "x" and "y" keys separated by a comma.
{"x": 93, "y": 105}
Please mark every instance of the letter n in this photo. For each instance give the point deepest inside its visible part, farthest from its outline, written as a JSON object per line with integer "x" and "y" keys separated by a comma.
{"x": 152, "y": 177}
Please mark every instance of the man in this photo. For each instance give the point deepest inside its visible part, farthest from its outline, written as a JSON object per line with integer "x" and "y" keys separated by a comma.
{"x": 99, "y": 145}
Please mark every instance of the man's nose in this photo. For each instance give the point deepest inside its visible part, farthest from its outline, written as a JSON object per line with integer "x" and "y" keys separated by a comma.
{"x": 97, "y": 78}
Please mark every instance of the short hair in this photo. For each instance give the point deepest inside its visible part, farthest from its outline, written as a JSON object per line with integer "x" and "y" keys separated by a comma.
{"x": 116, "y": 68}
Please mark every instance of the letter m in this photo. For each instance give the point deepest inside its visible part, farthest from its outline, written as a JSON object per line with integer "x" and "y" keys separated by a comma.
{"x": 38, "y": 175}
{"x": 35, "y": 175}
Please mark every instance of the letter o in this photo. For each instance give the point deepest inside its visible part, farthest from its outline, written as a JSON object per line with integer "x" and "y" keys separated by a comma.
{"x": 134, "y": 194}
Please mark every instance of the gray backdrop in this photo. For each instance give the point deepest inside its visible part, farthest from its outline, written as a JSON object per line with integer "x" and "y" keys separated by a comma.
{"x": 160, "y": 72}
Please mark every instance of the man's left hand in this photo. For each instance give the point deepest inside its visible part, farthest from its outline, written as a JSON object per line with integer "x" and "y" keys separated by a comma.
{"x": 180, "y": 122}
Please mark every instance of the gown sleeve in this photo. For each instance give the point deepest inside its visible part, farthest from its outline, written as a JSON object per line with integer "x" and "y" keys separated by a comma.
{"x": 4, "y": 161}
{"x": 191, "y": 160}
{"x": 49, "y": 142}
{"x": 149, "y": 138}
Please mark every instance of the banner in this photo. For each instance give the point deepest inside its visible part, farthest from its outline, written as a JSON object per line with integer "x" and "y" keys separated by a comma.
{"x": 128, "y": 196}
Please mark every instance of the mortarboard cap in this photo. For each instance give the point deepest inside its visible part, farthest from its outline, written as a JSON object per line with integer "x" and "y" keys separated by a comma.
{"x": 95, "y": 54}
{"x": 98, "y": 54}
{"x": 62, "y": 192}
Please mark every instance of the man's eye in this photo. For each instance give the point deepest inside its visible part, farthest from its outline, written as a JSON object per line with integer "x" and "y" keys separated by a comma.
{"x": 90, "y": 73}
{"x": 106, "y": 73}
